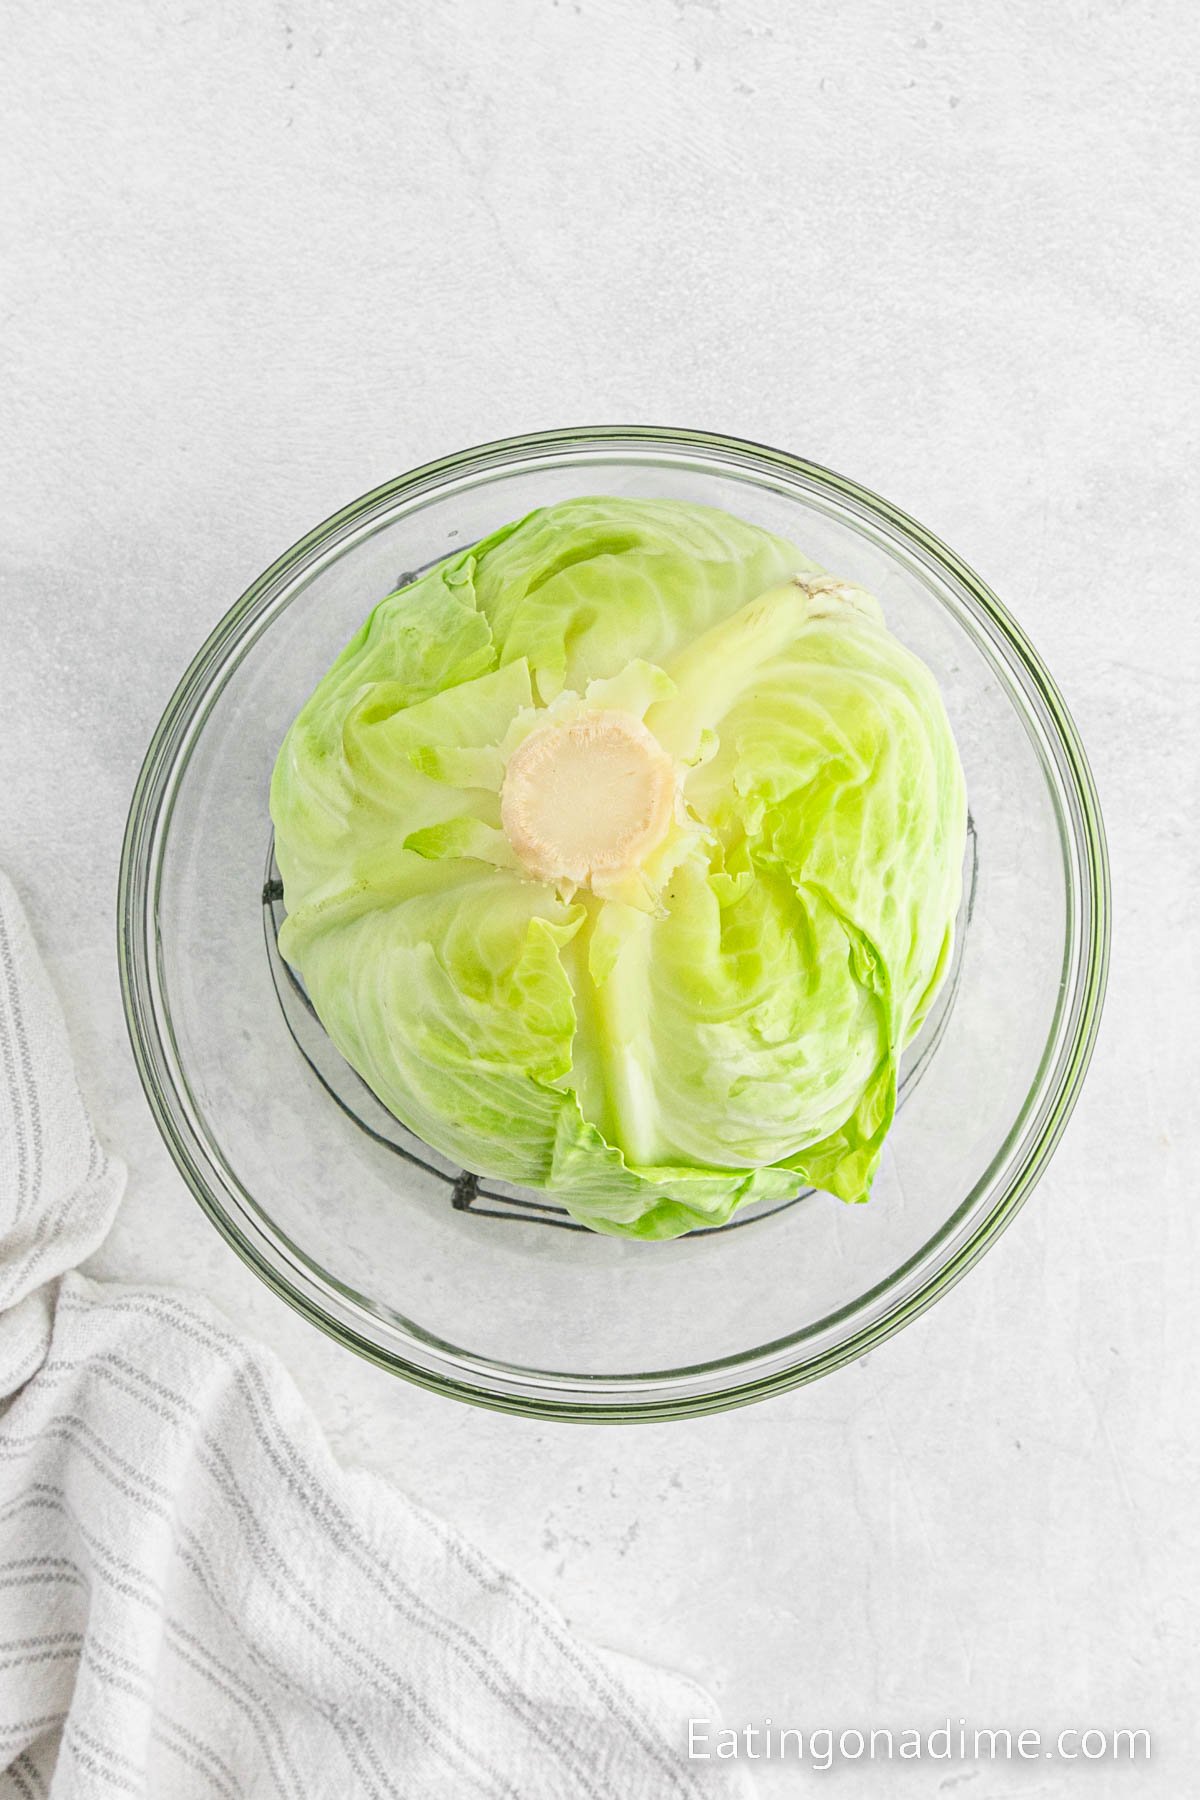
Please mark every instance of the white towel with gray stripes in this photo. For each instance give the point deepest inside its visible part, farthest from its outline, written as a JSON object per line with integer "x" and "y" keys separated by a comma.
{"x": 195, "y": 1599}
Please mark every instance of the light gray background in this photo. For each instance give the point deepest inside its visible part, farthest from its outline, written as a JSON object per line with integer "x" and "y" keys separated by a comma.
{"x": 264, "y": 257}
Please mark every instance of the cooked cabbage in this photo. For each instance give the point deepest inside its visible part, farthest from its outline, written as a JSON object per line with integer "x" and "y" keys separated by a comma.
{"x": 621, "y": 857}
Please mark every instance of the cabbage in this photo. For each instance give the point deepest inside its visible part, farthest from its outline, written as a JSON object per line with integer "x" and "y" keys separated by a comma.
{"x": 621, "y": 857}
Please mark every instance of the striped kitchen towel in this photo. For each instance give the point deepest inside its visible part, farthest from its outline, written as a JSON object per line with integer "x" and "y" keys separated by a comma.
{"x": 195, "y": 1599}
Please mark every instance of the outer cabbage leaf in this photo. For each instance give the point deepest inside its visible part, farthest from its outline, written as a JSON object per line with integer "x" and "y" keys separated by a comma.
{"x": 455, "y": 1007}
{"x": 418, "y": 645}
{"x": 584, "y": 588}
{"x": 836, "y": 762}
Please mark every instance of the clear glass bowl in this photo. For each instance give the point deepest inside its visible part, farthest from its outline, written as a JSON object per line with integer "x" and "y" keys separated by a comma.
{"x": 472, "y": 1288}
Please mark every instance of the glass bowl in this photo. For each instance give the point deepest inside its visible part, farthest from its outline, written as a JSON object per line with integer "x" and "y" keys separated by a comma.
{"x": 475, "y": 1289}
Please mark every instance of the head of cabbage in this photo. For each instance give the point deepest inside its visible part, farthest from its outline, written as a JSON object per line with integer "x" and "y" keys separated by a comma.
{"x": 621, "y": 857}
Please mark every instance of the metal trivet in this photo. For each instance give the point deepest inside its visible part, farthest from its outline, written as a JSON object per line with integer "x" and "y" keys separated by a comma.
{"x": 490, "y": 1199}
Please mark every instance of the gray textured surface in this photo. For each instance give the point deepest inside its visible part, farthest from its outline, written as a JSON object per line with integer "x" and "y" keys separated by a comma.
{"x": 266, "y": 257}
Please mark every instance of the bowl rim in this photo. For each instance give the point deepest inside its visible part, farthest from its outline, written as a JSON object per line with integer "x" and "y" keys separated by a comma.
{"x": 137, "y": 898}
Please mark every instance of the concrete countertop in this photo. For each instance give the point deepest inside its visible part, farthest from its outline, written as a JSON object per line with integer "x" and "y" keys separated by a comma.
{"x": 268, "y": 256}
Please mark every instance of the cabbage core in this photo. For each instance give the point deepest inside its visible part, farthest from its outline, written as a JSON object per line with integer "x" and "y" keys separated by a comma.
{"x": 587, "y": 799}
